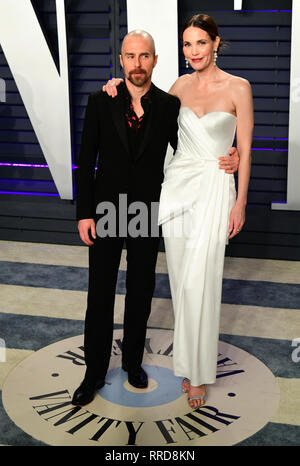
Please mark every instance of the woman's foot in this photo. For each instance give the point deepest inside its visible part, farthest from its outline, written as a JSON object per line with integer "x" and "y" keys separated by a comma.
{"x": 196, "y": 396}
{"x": 185, "y": 385}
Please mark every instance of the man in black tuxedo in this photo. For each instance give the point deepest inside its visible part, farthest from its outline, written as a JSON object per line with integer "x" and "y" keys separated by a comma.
{"x": 130, "y": 133}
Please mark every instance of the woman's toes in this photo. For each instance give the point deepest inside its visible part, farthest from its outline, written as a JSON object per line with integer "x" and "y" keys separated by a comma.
{"x": 192, "y": 403}
{"x": 196, "y": 392}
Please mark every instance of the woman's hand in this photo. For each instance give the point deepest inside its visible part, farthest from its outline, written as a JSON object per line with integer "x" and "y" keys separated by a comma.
{"x": 111, "y": 87}
{"x": 236, "y": 220}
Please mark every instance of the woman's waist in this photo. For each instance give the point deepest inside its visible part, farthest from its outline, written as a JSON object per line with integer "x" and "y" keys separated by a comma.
{"x": 186, "y": 165}
{"x": 198, "y": 155}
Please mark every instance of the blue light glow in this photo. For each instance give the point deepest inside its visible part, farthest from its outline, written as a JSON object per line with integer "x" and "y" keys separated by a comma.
{"x": 29, "y": 193}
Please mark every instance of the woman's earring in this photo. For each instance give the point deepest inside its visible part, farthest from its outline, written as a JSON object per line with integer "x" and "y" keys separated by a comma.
{"x": 186, "y": 63}
{"x": 215, "y": 57}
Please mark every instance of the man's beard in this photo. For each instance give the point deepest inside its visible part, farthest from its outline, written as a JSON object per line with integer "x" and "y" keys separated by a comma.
{"x": 138, "y": 81}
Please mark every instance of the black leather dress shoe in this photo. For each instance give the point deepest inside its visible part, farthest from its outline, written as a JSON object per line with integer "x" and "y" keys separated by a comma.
{"x": 86, "y": 391}
{"x": 137, "y": 377}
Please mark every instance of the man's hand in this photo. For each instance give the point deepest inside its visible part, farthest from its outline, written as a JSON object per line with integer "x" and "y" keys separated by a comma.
{"x": 85, "y": 226}
{"x": 230, "y": 164}
{"x": 111, "y": 86}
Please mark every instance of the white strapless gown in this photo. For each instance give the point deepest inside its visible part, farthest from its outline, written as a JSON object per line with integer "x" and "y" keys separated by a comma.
{"x": 195, "y": 204}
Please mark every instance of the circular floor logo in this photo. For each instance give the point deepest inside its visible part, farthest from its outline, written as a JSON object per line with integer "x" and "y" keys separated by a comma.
{"x": 37, "y": 396}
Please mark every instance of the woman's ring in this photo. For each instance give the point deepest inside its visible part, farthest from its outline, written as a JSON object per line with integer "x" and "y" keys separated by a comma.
{"x": 112, "y": 83}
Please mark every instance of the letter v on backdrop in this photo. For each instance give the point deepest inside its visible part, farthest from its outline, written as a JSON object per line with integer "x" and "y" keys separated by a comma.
{"x": 44, "y": 90}
{"x": 238, "y": 4}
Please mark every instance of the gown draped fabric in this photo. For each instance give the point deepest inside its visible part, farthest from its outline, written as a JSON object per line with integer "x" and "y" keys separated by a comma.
{"x": 195, "y": 204}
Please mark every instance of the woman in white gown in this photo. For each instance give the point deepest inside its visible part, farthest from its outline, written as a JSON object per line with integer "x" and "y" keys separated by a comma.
{"x": 199, "y": 209}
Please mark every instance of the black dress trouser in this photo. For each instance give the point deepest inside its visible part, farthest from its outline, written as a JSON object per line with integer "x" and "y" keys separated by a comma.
{"x": 104, "y": 260}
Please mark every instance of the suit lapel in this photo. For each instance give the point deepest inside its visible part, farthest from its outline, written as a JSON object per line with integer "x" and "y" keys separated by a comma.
{"x": 150, "y": 123}
{"x": 117, "y": 112}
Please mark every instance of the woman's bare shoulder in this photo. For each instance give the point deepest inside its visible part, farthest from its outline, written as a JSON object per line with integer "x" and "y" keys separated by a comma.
{"x": 241, "y": 93}
{"x": 179, "y": 84}
{"x": 238, "y": 84}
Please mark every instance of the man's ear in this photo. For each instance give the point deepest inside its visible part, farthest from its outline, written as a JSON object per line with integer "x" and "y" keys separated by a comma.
{"x": 121, "y": 60}
{"x": 155, "y": 60}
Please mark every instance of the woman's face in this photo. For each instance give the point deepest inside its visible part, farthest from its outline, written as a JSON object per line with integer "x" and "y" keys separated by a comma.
{"x": 199, "y": 48}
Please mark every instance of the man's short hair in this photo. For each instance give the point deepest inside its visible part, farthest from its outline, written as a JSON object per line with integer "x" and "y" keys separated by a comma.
{"x": 141, "y": 33}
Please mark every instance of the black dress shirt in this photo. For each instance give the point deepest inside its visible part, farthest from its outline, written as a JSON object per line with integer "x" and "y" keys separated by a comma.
{"x": 136, "y": 126}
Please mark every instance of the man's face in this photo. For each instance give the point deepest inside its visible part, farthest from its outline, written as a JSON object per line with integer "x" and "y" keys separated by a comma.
{"x": 138, "y": 60}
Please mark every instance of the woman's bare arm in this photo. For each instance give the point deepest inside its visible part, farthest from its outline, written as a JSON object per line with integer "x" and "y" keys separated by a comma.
{"x": 243, "y": 100}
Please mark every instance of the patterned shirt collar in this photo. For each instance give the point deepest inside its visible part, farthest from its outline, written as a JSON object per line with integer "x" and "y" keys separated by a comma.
{"x": 133, "y": 122}
{"x": 147, "y": 96}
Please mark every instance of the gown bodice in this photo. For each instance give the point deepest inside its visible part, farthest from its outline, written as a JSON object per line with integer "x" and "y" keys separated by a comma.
{"x": 201, "y": 141}
{"x": 206, "y": 137}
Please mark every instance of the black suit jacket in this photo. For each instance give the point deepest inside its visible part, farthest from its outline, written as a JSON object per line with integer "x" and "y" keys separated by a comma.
{"x": 104, "y": 134}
